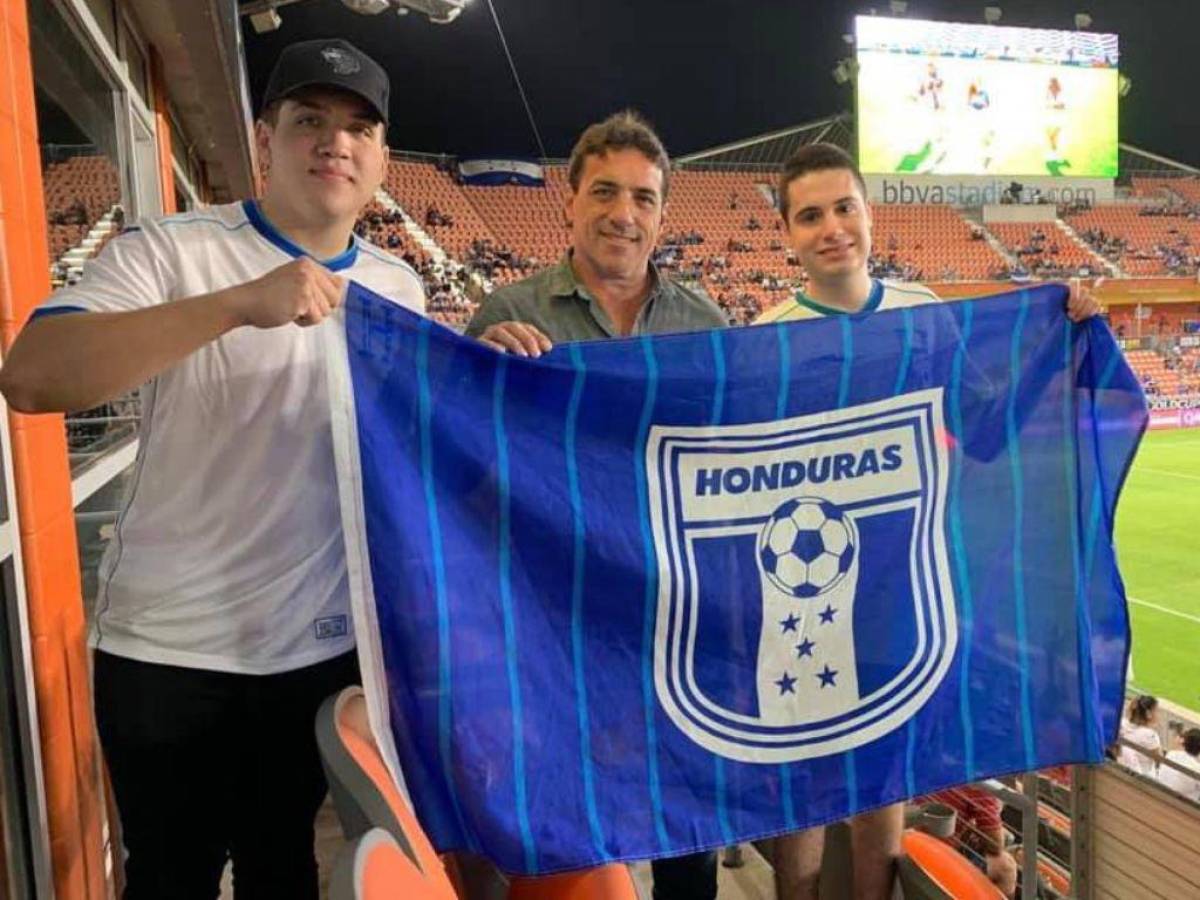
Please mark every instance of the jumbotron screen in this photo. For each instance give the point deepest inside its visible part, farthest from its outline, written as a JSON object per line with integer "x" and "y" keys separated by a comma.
{"x": 943, "y": 98}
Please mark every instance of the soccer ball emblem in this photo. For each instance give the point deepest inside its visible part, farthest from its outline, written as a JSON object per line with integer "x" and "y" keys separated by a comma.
{"x": 807, "y": 546}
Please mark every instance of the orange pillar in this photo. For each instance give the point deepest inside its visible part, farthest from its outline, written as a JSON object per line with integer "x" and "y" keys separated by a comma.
{"x": 162, "y": 133}
{"x": 47, "y": 521}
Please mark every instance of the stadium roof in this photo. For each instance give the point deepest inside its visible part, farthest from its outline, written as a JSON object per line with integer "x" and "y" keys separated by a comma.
{"x": 708, "y": 73}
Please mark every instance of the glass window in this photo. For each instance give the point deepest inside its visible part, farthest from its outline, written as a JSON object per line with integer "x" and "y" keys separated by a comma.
{"x": 105, "y": 13}
{"x": 86, "y": 196}
{"x": 16, "y": 861}
{"x": 135, "y": 60}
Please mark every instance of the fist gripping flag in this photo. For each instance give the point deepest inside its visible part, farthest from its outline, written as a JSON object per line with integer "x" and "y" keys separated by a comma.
{"x": 641, "y": 597}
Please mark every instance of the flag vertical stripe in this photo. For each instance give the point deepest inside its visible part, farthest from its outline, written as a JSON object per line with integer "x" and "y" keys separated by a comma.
{"x": 843, "y": 398}
{"x": 1098, "y": 492}
{"x": 966, "y": 604}
{"x": 506, "y": 608}
{"x": 578, "y": 558}
{"x": 847, "y": 361}
{"x": 722, "y": 806}
{"x": 650, "y": 598}
{"x": 785, "y": 791}
{"x": 910, "y": 751}
{"x": 785, "y": 370}
{"x": 445, "y": 671}
{"x": 718, "y": 350}
{"x": 1088, "y": 688}
{"x": 714, "y": 419}
{"x": 851, "y": 783}
{"x": 905, "y": 352}
{"x": 1018, "y": 531}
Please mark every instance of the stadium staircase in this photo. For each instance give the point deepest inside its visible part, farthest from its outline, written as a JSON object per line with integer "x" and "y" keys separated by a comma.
{"x": 430, "y": 247}
{"x": 419, "y": 235}
{"x": 1107, "y": 266}
{"x": 974, "y": 218}
{"x": 71, "y": 262}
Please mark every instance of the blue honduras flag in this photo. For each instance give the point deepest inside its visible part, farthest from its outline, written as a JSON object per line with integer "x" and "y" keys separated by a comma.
{"x": 640, "y": 597}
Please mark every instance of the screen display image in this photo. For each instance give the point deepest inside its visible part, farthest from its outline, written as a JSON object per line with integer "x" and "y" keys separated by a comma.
{"x": 941, "y": 98}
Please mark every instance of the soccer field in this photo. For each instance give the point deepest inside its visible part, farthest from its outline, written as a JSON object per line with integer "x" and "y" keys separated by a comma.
{"x": 1158, "y": 545}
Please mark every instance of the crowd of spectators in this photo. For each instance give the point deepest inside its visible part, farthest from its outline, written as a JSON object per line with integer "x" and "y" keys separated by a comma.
{"x": 493, "y": 261}
{"x": 1141, "y": 748}
{"x": 1110, "y": 246}
{"x": 1175, "y": 252}
{"x": 892, "y": 267}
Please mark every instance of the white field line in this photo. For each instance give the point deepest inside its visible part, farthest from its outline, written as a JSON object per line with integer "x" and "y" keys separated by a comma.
{"x": 1167, "y": 472}
{"x": 1163, "y": 609}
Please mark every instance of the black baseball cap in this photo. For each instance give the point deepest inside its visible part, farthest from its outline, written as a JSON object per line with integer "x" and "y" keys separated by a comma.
{"x": 328, "y": 62}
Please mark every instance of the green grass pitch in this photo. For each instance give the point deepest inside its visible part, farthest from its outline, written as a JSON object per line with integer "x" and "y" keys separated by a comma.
{"x": 1158, "y": 546}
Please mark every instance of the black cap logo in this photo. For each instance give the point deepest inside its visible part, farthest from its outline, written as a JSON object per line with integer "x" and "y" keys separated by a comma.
{"x": 340, "y": 61}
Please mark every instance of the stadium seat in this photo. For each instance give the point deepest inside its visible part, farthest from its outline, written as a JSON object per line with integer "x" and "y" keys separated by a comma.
{"x": 933, "y": 870}
{"x": 611, "y": 882}
{"x": 363, "y": 792}
{"x": 374, "y": 867}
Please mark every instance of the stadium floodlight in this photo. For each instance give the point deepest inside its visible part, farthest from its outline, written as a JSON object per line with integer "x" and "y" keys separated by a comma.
{"x": 440, "y": 12}
{"x": 267, "y": 20}
{"x": 845, "y": 70}
{"x": 898, "y": 7}
{"x": 1083, "y": 20}
{"x": 992, "y": 14}
{"x": 367, "y": 7}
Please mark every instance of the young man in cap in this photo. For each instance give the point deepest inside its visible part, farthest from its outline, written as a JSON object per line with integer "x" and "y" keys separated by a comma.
{"x": 823, "y": 201}
{"x": 222, "y": 616}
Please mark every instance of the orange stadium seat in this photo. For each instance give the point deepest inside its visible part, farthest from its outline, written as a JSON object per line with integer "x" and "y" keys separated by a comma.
{"x": 951, "y": 872}
{"x": 1057, "y": 248}
{"x": 375, "y": 867}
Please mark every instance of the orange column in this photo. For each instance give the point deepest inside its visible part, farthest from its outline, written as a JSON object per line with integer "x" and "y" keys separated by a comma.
{"x": 162, "y": 133}
{"x": 47, "y": 522}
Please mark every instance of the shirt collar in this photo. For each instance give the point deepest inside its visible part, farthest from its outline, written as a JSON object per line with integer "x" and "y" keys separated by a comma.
{"x": 563, "y": 282}
{"x": 267, "y": 229}
{"x": 873, "y": 300}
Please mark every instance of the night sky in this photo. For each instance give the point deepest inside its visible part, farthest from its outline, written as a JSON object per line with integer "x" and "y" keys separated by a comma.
{"x": 705, "y": 72}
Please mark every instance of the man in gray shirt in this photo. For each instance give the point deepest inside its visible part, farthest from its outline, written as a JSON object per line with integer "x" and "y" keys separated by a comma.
{"x": 605, "y": 286}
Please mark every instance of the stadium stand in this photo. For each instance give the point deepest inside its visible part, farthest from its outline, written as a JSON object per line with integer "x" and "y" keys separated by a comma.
{"x": 934, "y": 243}
{"x": 1142, "y": 240}
{"x": 1044, "y": 249}
{"x": 79, "y": 192}
{"x": 1177, "y": 189}
{"x": 721, "y": 232}
{"x": 418, "y": 187}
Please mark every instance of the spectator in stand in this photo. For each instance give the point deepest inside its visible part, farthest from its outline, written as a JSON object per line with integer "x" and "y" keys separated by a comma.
{"x": 1187, "y": 755}
{"x": 1139, "y": 729}
{"x": 978, "y": 826}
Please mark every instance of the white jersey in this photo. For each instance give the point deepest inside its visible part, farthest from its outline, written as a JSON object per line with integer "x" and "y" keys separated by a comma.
{"x": 228, "y": 553}
{"x": 1187, "y": 785}
{"x": 884, "y": 295}
{"x": 1145, "y": 737}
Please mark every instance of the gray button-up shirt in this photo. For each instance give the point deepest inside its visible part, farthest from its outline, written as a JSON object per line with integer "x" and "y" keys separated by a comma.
{"x": 562, "y": 308}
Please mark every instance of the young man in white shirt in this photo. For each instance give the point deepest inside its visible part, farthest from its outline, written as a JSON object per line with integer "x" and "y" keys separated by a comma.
{"x": 222, "y": 615}
{"x": 823, "y": 201}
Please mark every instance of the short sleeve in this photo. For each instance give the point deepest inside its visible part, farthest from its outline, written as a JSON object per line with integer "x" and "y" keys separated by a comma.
{"x": 131, "y": 272}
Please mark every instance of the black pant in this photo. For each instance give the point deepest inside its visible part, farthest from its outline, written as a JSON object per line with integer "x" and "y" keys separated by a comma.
{"x": 209, "y": 765}
{"x": 692, "y": 877}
